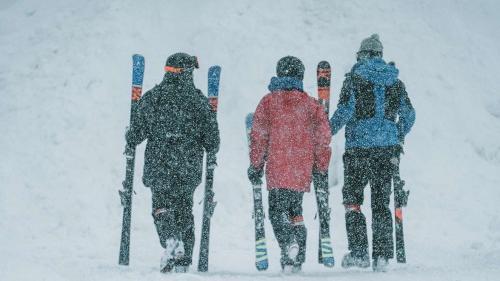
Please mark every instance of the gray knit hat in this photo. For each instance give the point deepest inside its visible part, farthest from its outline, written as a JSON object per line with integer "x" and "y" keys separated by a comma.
{"x": 371, "y": 44}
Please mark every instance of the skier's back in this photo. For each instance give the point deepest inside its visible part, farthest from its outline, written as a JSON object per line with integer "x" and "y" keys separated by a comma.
{"x": 377, "y": 112}
{"x": 176, "y": 120}
{"x": 290, "y": 136}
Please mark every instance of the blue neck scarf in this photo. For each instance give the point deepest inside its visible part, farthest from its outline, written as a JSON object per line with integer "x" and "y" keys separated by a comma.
{"x": 285, "y": 83}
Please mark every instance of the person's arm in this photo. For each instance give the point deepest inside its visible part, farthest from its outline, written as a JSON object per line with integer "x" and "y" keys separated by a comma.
{"x": 345, "y": 108}
{"x": 259, "y": 136}
{"x": 210, "y": 128}
{"x": 406, "y": 113}
{"x": 137, "y": 132}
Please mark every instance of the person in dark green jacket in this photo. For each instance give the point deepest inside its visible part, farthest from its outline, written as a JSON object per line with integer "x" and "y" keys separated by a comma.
{"x": 179, "y": 125}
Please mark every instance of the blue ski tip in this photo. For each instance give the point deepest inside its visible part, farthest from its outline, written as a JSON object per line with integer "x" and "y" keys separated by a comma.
{"x": 213, "y": 81}
{"x": 137, "y": 70}
{"x": 262, "y": 265}
{"x": 249, "y": 120}
{"x": 329, "y": 262}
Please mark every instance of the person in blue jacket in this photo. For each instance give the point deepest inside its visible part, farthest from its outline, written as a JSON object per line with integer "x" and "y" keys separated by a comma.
{"x": 377, "y": 114}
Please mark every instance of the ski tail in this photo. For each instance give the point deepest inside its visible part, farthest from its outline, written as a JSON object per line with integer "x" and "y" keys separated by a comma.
{"x": 325, "y": 249}
{"x": 126, "y": 193}
{"x": 261, "y": 259}
{"x": 400, "y": 201}
{"x": 209, "y": 203}
{"x": 400, "y": 239}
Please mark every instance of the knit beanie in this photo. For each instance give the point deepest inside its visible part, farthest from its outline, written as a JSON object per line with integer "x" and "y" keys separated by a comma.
{"x": 371, "y": 44}
{"x": 290, "y": 67}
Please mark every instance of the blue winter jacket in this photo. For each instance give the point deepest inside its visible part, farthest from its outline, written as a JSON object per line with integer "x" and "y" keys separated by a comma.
{"x": 374, "y": 106}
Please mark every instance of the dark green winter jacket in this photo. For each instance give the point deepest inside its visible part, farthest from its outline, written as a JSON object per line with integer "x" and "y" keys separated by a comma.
{"x": 178, "y": 123}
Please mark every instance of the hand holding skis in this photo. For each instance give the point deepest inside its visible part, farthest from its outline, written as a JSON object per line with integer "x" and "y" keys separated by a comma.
{"x": 126, "y": 193}
{"x": 255, "y": 175}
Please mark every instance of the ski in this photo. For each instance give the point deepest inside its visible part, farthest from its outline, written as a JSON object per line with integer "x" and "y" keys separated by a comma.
{"x": 126, "y": 193}
{"x": 400, "y": 201}
{"x": 325, "y": 249}
{"x": 209, "y": 203}
{"x": 261, "y": 260}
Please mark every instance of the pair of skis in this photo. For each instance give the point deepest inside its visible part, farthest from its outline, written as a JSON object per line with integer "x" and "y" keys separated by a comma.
{"x": 138, "y": 65}
{"x": 261, "y": 260}
{"x": 128, "y": 189}
{"x": 325, "y": 250}
{"x": 209, "y": 203}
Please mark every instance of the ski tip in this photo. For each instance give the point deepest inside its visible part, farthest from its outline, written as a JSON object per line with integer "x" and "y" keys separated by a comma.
{"x": 262, "y": 265}
{"x": 213, "y": 81}
{"x": 323, "y": 64}
{"x": 249, "y": 120}
{"x": 138, "y": 62}
{"x": 214, "y": 68}
{"x": 214, "y": 75}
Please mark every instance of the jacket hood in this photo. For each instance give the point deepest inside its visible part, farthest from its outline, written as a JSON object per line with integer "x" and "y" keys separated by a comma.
{"x": 377, "y": 71}
{"x": 285, "y": 83}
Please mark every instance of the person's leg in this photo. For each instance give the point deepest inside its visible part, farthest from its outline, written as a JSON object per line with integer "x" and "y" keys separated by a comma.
{"x": 355, "y": 179}
{"x": 185, "y": 226}
{"x": 298, "y": 226}
{"x": 380, "y": 182}
{"x": 163, "y": 216}
{"x": 280, "y": 219}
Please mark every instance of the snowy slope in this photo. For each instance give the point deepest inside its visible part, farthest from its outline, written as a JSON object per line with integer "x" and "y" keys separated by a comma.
{"x": 65, "y": 85}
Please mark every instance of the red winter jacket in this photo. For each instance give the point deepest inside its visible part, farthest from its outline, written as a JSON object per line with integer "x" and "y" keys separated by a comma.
{"x": 291, "y": 134}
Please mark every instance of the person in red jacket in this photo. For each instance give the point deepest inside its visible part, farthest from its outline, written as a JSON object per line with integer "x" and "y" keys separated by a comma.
{"x": 290, "y": 137}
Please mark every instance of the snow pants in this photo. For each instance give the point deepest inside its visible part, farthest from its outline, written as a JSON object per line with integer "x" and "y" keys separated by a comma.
{"x": 361, "y": 167}
{"x": 173, "y": 218}
{"x": 285, "y": 212}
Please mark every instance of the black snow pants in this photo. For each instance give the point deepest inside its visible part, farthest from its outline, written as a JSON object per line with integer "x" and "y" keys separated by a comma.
{"x": 173, "y": 218}
{"x": 361, "y": 167}
{"x": 285, "y": 212}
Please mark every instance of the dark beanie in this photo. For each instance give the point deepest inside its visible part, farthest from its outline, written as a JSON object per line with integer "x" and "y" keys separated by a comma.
{"x": 371, "y": 44}
{"x": 290, "y": 67}
{"x": 181, "y": 62}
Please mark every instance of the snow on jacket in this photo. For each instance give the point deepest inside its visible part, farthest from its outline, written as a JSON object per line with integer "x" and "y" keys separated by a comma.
{"x": 374, "y": 106}
{"x": 177, "y": 121}
{"x": 290, "y": 136}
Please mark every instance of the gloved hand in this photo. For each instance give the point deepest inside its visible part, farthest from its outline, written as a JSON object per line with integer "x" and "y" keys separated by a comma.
{"x": 211, "y": 161}
{"x": 319, "y": 175}
{"x": 255, "y": 175}
{"x": 320, "y": 179}
{"x": 127, "y": 133}
{"x": 129, "y": 149}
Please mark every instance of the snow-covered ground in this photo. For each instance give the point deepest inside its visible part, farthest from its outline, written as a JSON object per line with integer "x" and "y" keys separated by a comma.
{"x": 65, "y": 86}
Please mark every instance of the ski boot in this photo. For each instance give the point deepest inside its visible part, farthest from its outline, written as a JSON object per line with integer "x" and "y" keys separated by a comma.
{"x": 181, "y": 268}
{"x": 380, "y": 264}
{"x": 173, "y": 252}
{"x": 350, "y": 260}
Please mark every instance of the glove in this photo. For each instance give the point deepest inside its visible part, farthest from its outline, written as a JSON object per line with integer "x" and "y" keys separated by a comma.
{"x": 255, "y": 175}
{"x": 320, "y": 179}
{"x": 320, "y": 175}
{"x": 129, "y": 149}
{"x": 127, "y": 133}
{"x": 211, "y": 161}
